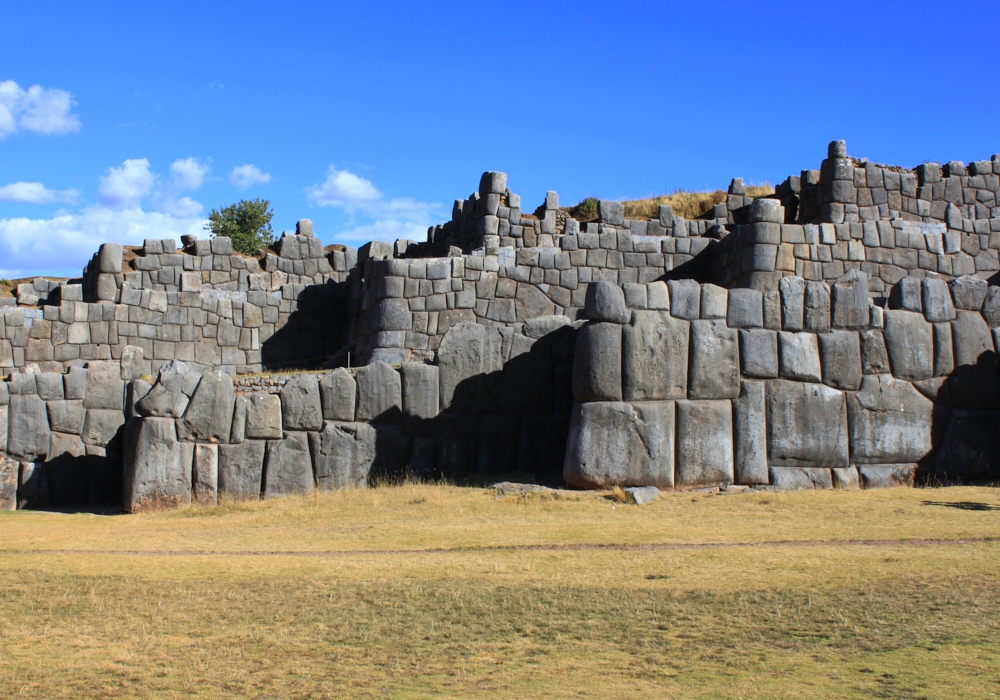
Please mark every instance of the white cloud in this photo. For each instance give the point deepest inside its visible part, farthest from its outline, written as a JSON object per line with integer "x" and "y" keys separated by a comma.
{"x": 344, "y": 189}
{"x": 63, "y": 244}
{"x": 189, "y": 174}
{"x": 37, "y": 109}
{"x": 245, "y": 176}
{"x": 127, "y": 185}
{"x": 35, "y": 193}
{"x": 400, "y": 217}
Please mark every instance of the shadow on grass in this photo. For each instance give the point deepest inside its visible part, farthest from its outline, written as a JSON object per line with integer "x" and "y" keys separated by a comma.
{"x": 964, "y": 505}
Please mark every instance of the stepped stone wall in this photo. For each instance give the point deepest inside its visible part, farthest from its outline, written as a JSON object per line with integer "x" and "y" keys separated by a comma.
{"x": 839, "y": 332}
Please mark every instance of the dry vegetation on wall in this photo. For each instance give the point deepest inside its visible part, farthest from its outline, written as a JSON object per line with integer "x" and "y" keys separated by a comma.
{"x": 422, "y": 591}
{"x": 687, "y": 204}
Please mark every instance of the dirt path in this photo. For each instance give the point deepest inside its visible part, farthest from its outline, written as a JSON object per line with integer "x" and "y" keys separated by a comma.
{"x": 508, "y": 548}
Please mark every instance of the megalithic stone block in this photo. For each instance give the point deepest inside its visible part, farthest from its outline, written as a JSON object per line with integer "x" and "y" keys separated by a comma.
{"x": 715, "y": 362}
{"x": 606, "y": 302}
{"x": 654, "y": 357}
{"x": 205, "y": 474}
{"x": 704, "y": 444}
{"x": 301, "y": 408}
{"x": 209, "y": 415}
{"x": 157, "y": 466}
{"x": 750, "y": 435}
{"x": 241, "y": 468}
{"x": 850, "y": 300}
{"x": 910, "y": 342}
{"x": 890, "y": 422}
{"x": 343, "y": 454}
{"x": 793, "y": 299}
{"x": 288, "y": 467}
{"x": 807, "y": 425}
{"x": 597, "y": 363}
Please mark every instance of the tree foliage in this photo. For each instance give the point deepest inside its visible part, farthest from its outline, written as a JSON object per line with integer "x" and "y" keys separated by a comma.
{"x": 247, "y": 223}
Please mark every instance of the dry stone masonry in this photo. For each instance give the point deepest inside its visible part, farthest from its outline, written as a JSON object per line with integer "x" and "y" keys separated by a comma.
{"x": 841, "y": 333}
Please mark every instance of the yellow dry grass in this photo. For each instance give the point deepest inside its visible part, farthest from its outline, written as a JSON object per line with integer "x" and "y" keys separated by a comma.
{"x": 408, "y": 592}
{"x": 686, "y": 203}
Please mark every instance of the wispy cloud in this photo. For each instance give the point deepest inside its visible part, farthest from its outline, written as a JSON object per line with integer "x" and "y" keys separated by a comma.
{"x": 37, "y": 109}
{"x": 389, "y": 218}
{"x": 189, "y": 173}
{"x": 36, "y": 193}
{"x": 246, "y": 176}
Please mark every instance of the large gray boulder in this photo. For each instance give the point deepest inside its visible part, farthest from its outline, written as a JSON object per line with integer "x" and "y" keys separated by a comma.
{"x": 241, "y": 468}
{"x": 28, "y": 436}
{"x": 616, "y": 443}
{"x": 597, "y": 363}
{"x": 263, "y": 417}
{"x": 801, "y": 478}
{"x": 654, "y": 357}
{"x": 338, "y": 395}
{"x": 606, "y": 302}
{"x": 8, "y": 482}
{"x": 817, "y": 307}
{"x": 109, "y": 258}
{"x": 807, "y": 425}
{"x": 715, "y": 361}
{"x": 714, "y": 302}
{"x": 793, "y": 299}
{"x": 205, "y": 475}
{"x": 906, "y": 294}
{"x": 105, "y": 388}
{"x": 209, "y": 415}
{"x": 343, "y": 454}
{"x": 910, "y": 342}
{"x": 974, "y": 383}
{"x": 750, "y": 434}
{"x": 171, "y": 393}
{"x": 380, "y": 394}
{"x": 420, "y": 387}
{"x": 745, "y": 309}
{"x": 874, "y": 356}
{"x": 759, "y": 353}
{"x": 799, "y": 353}
{"x": 102, "y": 425}
{"x": 300, "y": 404}
{"x": 840, "y": 357}
{"x": 469, "y": 354}
{"x": 685, "y": 299}
{"x": 888, "y": 476}
{"x": 157, "y": 466}
{"x": 890, "y": 422}
{"x": 704, "y": 444}
{"x": 938, "y": 306}
{"x": 968, "y": 292}
{"x": 66, "y": 416}
{"x": 991, "y": 307}
{"x": 850, "y": 300}
{"x": 288, "y": 466}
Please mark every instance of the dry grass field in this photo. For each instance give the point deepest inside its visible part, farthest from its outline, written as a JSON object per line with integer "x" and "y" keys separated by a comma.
{"x": 425, "y": 591}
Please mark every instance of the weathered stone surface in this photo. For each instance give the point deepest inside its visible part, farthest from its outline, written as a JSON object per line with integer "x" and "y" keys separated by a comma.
{"x": 544, "y": 325}
{"x": 799, "y": 353}
{"x": 759, "y": 353}
{"x": 850, "y": 300}
{"x": 845, "y": 479}
{"x": 641, "y": 495}
{"x": 801, "y": 478}
{"x": 167, "y": 398}
{"x": 3, "y": 427}
{"x": 944, "y": 350}
{"x": 131, "y": 362}
{"x": 209, "y": 415}
{"x": 714, "y": 302}
{"x": 75, "y": 383}
{"x": 66, "y": 416}
{"x": 937, "y": 302}
{"x": 102, "y": 425}
{"x": 906, "y": 294}
{"x": 300, "y": 404}
{"x": 840, "y": 357}
{"x": 22, "y": 383}
{"x": 968, "y": 292}
{"x": 714, "y": 361}
{"x": 157, "y": 475}
{"x": 874, "y": 356}
{"x": 205, "y": 475}
{"x": 8, "y": 483}
{"x": 750, "y": 434}
{"x": 28, "y": 437}
{"x": 685, "y": 299}
{"x": 970, "y": 448}
{"x": 910, "y": 343}
{"x": 991, "y": 307}
{"x": 420, "y": 386}
{"x": 817, "y": 307}
{"x": 890, "y": 422}
{"x": 32, "y": 486}
{"x": 654, "y": 357}
{"x": 746, "y": 308}
{"x": 467, "y": 352}
{"x": 526, "y": 385}
{"x": 888, "y": 476}
{"x": 616, "y": 443}
{"x": 597, "y": 363}
{"x": 288, "y": 465}
{"x": 339, "y": 395}
{"x": 343, "y": 454}
{"x": 606, "y": 302}
{"x": 974, "y": 382}
{"x": 109, "y": 258}
{"x": 66, "y": 470}
{"x": 263, "y": 416}
{"x": 379, "y": 394}
{"x": 529, "y": 302}
{"x": 658, "y": 296}
{"x": 793, "y": 299}
{"x": 49, "y": 385}
{"x": 240, "y": 470}
{"x": 807, "y": 425}
{"x": 704, "y": 444}
{"x": 105, "y": 388}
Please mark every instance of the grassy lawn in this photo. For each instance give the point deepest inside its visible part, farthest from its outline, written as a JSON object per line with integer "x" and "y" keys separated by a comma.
{"x": 433, "y": 591}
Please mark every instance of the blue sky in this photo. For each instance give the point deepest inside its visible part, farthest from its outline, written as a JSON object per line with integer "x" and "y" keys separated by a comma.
{"x": 120, "y": 121}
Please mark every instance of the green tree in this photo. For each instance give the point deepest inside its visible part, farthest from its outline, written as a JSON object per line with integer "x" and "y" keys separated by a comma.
{"x": 247, "y": 224}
